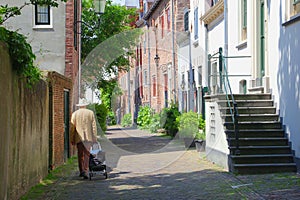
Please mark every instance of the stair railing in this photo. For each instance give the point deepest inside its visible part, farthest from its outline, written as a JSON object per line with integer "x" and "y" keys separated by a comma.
{"x": 224, "y": 83}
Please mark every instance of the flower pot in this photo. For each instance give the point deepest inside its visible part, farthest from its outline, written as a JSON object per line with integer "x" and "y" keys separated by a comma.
{"x": 189, "y": 142}
{"x": 200, "y": 145}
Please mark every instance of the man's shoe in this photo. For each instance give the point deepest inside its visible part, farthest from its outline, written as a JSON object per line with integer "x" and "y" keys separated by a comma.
{"x": 81, "y": 174}
{"x": 85, "y": 176}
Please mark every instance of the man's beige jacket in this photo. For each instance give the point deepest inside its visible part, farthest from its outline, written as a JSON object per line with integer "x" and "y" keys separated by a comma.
{"x": 83, "y": 126}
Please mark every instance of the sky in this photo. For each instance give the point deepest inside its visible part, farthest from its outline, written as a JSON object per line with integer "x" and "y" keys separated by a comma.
{"x": 122, "y": 2}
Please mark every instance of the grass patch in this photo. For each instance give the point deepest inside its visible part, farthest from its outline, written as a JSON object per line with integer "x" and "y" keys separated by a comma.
{"x": 41, "y": 188}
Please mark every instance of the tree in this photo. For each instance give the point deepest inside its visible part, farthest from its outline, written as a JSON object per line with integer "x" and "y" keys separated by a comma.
{"x": 105, "y": 49}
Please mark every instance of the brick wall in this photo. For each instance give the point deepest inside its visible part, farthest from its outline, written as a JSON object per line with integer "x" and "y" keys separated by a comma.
{"x": 73, "y": 47}
{"x": 58, "y": 85}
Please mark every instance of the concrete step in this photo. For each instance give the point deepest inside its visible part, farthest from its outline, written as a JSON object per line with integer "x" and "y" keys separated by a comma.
{"x": 248, "y": 103}
{"x": 254, "y": 133}
{"x": 247, "y": 97}
{"x": 264, "y": 168}
{"x": 260, "y": 150}
{"x": 254, "y": 125}
{"x": 250, "y": 110}
{"x": 260, "y": 159}
{"x": 253, "y": 117}
{"x": 259, "y": 141}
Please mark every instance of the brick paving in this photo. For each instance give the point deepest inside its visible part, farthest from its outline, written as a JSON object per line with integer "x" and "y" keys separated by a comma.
{"x": 146, "y": 166}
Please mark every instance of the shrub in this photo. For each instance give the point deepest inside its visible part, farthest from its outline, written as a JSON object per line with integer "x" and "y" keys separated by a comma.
{"x": 168, "y": 119}
{"x": 191, "y": 125}
{"x": 144, "y": 117}
{"x": 101, "y": 114}
{"x": 111, "y": 119}
{"x": 154, "y": 123}
{"x": 127, "y": 120}
{"x": 188, "y": 125}
{"x": 201, "y": 123}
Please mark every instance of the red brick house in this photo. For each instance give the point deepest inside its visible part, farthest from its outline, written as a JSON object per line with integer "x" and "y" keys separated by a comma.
{"x": 154, "y": 76}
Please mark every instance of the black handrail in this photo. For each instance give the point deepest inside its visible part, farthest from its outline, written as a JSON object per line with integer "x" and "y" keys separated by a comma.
{"x": 225, "y": 82}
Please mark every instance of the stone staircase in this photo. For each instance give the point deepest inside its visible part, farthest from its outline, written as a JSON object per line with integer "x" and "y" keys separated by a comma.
{"x": 262, "y": 143}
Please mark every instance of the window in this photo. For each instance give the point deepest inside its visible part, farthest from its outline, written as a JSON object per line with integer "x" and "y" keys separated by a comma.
{"x": 243, "y": 20}
{"x": 186, "y": 21}
{"x": 292, "y": 11}
{"x": 168, "y": 19}
{"x": 145, "y": 78}
{"x": 154, "y": 86}
{"x": 161, "y": 19}
{"x": 42, "y": 15}
{"x": 295, "y": 7}
{"x": 196, "y": 23}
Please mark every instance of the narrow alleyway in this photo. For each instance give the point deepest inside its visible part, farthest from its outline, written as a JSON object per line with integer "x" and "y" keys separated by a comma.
{"x": 145, "y": 166}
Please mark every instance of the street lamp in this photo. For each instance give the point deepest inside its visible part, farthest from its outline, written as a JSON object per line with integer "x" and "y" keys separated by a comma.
{"x": 156, "y": 60}
{"x": 99, "y": 7}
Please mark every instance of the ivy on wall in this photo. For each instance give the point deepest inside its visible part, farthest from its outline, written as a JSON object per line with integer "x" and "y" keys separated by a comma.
{"x": 21, "y": 55}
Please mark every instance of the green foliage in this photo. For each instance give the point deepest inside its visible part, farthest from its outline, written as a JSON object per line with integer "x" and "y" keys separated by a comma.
{"x": 144, "y": 117}
{"x": 127, "y": 120}
{"x": 21, "y": 56}
{"x": 188, "y": 125}
{"x": 201, "y": 123}
{"x": 154, "y": 123}
{"x": 111, "y": 119}
{"x": 116, "y": 35}
{"x": 101, "y": 114}
{"x": 168, "y": 119}
{"x": 109, "y": 90}
{"x": 191, "y": 125}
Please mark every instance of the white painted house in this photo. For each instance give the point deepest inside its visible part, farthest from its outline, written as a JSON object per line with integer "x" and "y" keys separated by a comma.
{"x": 260, "y": 40}
{"x": 45, "y": 32}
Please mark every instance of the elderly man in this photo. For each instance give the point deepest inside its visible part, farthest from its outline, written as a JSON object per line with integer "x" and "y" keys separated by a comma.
{"x": 83, "y": 134}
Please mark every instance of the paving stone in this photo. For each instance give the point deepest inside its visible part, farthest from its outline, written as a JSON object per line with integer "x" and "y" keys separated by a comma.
{"x": 147, "y": 166}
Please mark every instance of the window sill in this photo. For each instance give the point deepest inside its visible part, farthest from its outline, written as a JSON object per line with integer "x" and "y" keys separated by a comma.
{"x": 38, "y": 27}
{"x": 292, "y": 20}
{"x": 242, "y": 45}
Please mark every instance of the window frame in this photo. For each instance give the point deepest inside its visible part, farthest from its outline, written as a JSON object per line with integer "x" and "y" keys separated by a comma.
{"x": 37, "y": 24}
{"x": 243, "y": 20}
{"x": 196, "y": 24}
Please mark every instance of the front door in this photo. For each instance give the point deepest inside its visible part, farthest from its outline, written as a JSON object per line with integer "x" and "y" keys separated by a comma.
{"x": 66, "y": 125}
{"x": 261, "y": 70}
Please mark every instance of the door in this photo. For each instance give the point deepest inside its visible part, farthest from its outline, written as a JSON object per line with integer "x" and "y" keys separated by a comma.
{"x": 261, "y": 71}
{"x": 66, "y": 125}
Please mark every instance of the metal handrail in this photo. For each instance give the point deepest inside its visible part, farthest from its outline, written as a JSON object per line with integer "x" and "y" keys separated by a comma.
{"x": 233, "y": 111}
{"x": 225, "y": 82}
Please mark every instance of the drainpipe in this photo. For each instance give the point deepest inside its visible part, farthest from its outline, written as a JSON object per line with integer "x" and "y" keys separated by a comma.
{"x": 128, "y": 92}
{"x": 226, "y": 32}
{"x": 149, "y": 62}
{"x": 173, "y": 51}
{"x": 191, "y": 89}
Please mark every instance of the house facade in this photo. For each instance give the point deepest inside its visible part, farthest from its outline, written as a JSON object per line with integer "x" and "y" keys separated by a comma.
{"x": 260, "y": 58}
{"x": 50, "y": 31}
{"x": 156, "y": 63}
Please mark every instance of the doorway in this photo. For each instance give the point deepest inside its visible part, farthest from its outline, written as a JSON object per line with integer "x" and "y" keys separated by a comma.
{"x": 66, "y": 124}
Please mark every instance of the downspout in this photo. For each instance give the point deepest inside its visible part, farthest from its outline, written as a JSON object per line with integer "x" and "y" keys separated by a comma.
{"x": 149, "y": 62}
{"x": 128, "y": 91}
{"x": 225, "y": 33}
{"x": 191, "y": 89}
{"x": 173, "y": 51}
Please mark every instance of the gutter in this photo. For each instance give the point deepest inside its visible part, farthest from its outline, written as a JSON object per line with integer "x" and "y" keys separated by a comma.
{"x": 151, "y": 10}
